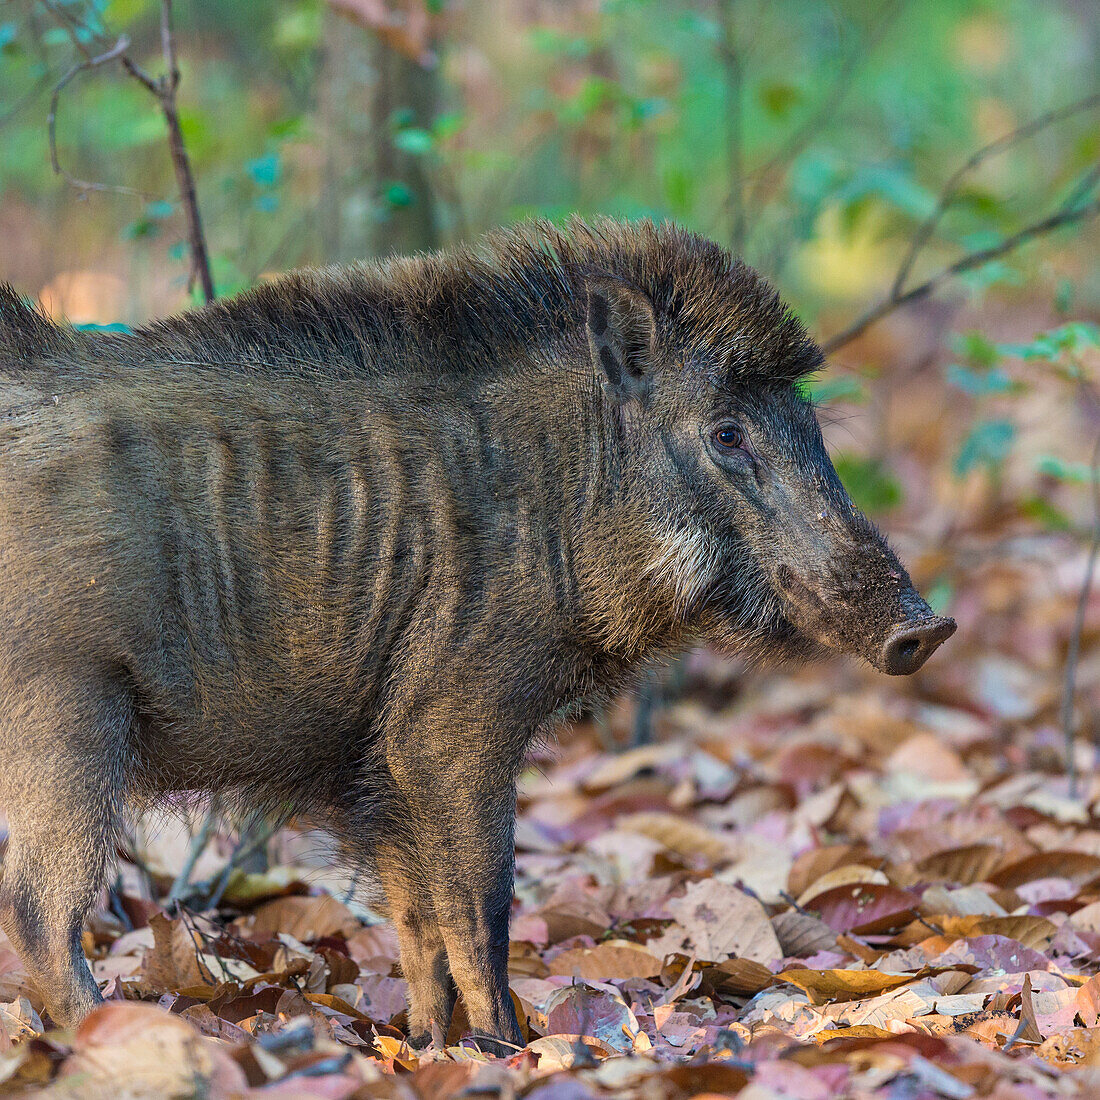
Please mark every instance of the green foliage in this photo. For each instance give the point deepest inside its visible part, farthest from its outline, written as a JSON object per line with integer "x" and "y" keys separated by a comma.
{"x": 873, "y": 487}
{"x": 843, "y": 387}
{"x": 621, "y": 107}
{"x": 987, "y": 444}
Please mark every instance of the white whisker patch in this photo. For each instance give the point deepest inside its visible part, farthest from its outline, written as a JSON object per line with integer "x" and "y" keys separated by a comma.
{"x": 687, "y": 560}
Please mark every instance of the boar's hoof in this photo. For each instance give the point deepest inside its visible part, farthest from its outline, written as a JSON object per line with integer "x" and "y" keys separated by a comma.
{"x": 911, "y": 645}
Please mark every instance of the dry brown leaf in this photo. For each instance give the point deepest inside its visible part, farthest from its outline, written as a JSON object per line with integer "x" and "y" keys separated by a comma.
{"x": 847, "y": 875}
{"x": 865, "y": 908}
{"x": 558, "y": 1052}
{"x": 615, "y": 769}
{"x": 1087, "y": 1001}
{"x": 1078, "y": 867}
{"x": 614, "y": 960}
{"x": 815, "y": 862}
{"x": 138, "y": 1050}
{"x": 842, "y": 985}
{"x": 1035, "y": 932}
{"x": 1028, "y": 1031}
{"x": 1087, "y": 918}
{"x": 801, "y": 935}
{"x": 304, "y": 918}
{"x": 1072, "y": 1048}
{"x": 859, "y": 1031}
{"x": 525, "y": 961}
{"x": 680, "y": 835}
{"x": 741, "y": 977}
{"x": 964, "y": 865}
{"x": 175, "y": 960}
{"x": 721, "y": 921}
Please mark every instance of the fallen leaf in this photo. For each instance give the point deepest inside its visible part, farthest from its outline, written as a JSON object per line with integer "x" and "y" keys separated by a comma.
{"x": 613, "y": 960}
{"x": 864, "y": 908}
{"x": 719, "y": 921}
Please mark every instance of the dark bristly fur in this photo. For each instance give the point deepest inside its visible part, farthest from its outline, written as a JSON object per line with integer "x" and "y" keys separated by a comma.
{"x": 351, "y": 540}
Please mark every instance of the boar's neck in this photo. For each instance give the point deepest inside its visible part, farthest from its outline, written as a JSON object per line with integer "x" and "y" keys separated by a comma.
{"x": 579, "y": 481}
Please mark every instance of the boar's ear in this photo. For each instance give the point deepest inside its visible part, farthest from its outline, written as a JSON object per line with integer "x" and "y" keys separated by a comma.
{"x": 621, "y": 335}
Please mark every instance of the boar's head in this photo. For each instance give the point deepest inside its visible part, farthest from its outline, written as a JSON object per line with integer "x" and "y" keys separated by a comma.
{"x": 747, "y": 526}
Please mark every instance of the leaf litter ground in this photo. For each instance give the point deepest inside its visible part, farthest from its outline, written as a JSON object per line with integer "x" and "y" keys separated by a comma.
{"x": 812, "y": 884}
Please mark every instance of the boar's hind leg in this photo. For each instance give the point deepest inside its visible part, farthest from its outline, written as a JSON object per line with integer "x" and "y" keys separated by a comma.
{"x": 432, "y": 992}
{"x": 61, "y": 756}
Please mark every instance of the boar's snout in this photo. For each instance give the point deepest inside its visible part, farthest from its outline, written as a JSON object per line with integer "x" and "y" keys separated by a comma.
{"x": 910, "y": 645}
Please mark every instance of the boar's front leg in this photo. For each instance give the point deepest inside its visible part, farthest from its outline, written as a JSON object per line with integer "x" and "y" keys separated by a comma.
{"x": 432, "y": 992}
{"x": 461, "y": 809}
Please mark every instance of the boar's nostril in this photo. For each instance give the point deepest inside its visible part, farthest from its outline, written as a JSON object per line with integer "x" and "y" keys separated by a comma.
{"x": 910, "y": 646}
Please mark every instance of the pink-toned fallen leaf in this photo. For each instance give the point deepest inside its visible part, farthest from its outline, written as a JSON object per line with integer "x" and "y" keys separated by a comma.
{"x": 583, "y": 1010}
{"x": 864, "y": 908}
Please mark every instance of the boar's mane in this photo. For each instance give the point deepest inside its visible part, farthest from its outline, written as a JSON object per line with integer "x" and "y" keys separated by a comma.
{"x": 517, "y": 296}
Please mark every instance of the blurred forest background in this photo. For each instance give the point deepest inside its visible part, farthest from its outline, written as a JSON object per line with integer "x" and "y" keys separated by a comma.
{"x": 920, "y": 179}
{"x": 823, "y": 141}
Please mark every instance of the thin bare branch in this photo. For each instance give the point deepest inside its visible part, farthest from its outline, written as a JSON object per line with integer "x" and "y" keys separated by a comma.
{"x": 1069, "y": 689}
{"x": 164, "y": 89}
{"x": 25, "y": 100}
{"x": 251, "y": 840}
{"x": 951, "y": 189}
{"x": 185, "y": 177}
{"x": 199, "y": 841}
{"x": 90, "y": 62}
{"x": 1062, "y": 217}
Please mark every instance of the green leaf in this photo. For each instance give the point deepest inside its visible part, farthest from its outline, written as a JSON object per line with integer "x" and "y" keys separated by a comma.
{"x": 977, "y": 349}
{"x": 987, "y": 445}
{"x": 413, "y": 140}
{"x": 159, "y": 210}
{"x": 843, "y": 388}
{"x": 264, "y": 170}
{"x": 398, "y": 195}
{"x": 140, "y": 229}
{"x": 120, "y": 13}
{"x": 1046, "y": 514}
{"x": 779, "y": 98}
{"x": 872, "y": 486}
{"x": 8, "y": 32}
{"x": 1071, "y": 338}
{"x": 979, "y": 383}
{"x": 1078, "y": 473}
{"x": 448, "y": 124}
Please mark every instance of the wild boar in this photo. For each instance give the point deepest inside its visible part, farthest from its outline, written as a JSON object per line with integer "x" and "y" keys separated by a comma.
{"x": 351, "y": 540}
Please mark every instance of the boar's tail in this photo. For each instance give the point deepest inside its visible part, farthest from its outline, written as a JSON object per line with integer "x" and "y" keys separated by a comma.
{"x": 26, "y": 333}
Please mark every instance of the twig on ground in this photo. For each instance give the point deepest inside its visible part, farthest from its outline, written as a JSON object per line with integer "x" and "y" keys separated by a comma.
{"x": 196, "y": 933}
{"x": 1069, "y": 689}
{"x": 199, "y": 841}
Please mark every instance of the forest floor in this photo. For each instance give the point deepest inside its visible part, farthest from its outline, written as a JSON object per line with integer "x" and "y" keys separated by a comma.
{"x": 815, "y": 883}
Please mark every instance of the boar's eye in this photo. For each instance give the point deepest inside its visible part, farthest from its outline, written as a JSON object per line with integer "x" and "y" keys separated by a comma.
{"x": 729, "y": 437}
